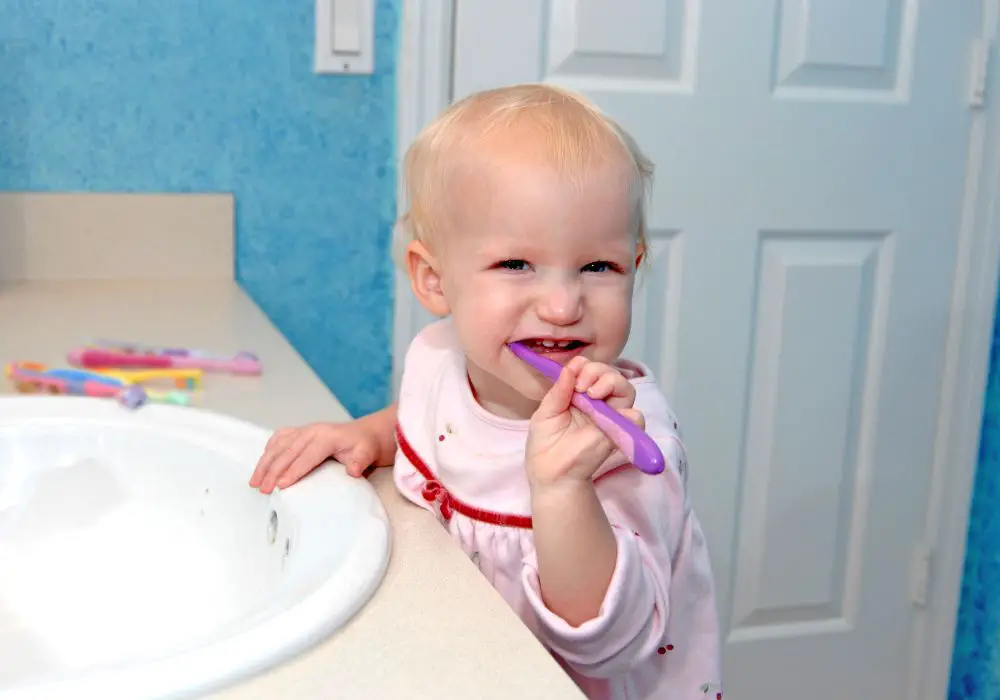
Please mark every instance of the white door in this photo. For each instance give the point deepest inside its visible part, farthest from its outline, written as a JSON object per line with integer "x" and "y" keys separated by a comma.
{"x": 810, "y": 158}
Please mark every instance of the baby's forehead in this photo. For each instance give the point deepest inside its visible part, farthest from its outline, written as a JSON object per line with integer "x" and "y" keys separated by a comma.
{"x": 545, "y": 135}
{"x": 526, "y": 168}
{"x": 516, "y": 182}
{"x": 495, "y": 158}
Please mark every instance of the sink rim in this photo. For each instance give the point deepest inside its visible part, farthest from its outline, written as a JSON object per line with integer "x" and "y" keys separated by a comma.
{"x": 267, "y": 642}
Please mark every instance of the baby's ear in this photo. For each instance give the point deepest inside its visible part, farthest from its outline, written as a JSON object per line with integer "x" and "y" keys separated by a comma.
{"x": 640, "y": 255}
{"x": 425, "y": 279}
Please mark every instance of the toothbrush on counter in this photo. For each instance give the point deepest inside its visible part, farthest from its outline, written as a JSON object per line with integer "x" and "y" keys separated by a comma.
{"x": 116, "y": 354}
{"x": 189, "y": 379}
{"x": 640, "y": 449}
{"x": 34, "y": 377}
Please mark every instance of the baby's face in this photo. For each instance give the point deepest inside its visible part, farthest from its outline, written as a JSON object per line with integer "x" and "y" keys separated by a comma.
{"x": 534, "y": 257}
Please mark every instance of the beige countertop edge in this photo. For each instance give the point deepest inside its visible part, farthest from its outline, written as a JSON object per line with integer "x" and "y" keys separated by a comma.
{"x": 435, "y": 628}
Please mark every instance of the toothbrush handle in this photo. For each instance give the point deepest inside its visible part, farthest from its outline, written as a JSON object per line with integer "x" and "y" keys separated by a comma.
{"x": 96, "y": 358}
{"x": 640, "y": 449}
{"x": 94, "y": 389}
{"x": 103, "y": 358}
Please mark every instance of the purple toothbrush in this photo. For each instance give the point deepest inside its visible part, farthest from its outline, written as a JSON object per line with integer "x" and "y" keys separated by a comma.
{"x": 635, "y": 444}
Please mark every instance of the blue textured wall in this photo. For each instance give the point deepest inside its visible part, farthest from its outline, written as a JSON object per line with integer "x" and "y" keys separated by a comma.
{"x": 219, "y": 96}
{"x": 975, "y": 671}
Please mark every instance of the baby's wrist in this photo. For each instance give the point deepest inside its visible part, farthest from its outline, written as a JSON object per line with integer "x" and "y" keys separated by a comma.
{"x": 561, "y": 493}
{"x": 546, "y": 473}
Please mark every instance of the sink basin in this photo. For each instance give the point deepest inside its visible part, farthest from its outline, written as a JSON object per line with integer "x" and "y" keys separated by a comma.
{"x": 136, "y": 563}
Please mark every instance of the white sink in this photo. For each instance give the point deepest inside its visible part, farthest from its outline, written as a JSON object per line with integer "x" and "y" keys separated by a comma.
{"x": 136, "y": 563}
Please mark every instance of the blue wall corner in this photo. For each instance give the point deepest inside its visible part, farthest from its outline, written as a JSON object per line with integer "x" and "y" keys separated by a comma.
{"x": 191, "y": 96}
{"x": 975, "y": 673}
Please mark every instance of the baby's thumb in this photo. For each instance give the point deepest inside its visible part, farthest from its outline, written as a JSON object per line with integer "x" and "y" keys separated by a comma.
{"x": 557, "y": 399}
{"x": 358, "y": 459}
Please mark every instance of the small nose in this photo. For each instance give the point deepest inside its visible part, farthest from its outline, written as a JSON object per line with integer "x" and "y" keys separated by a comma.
{"x": 561, "y": 303}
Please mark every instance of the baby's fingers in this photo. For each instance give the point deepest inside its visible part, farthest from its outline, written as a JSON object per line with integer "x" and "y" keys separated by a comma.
{"x": 589, "y": 372}
{"x": 308, "y": 458}
{"x": 280, "y": 435}
{"x": 613, "y": 388}
{"x": 557, "y": 399}
{"x": 276, "y": 444}
{"x": 285, "y": 454}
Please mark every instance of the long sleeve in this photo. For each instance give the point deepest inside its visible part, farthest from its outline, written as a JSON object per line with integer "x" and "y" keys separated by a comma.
{"x": 631, "y": 621}
{"x": 660, "y": 600}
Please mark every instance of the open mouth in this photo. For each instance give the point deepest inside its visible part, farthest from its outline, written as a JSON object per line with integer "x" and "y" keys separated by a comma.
{"x": 549, "y": 345}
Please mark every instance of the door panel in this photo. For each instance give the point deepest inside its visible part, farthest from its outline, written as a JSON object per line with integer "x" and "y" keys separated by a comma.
{"x": 846, "y": 49}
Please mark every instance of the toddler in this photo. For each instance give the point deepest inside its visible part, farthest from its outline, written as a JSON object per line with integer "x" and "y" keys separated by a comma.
{"x": 526, "y": 222}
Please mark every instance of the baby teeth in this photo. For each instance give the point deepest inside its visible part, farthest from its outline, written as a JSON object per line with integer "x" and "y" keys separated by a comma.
{"x": 552, "y": 343}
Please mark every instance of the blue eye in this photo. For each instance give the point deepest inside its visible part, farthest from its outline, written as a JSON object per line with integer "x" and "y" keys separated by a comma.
{"x": 601, "y": 266}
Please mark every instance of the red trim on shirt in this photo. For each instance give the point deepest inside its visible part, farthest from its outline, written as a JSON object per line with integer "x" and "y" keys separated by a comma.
{"x": 434, "y": 490}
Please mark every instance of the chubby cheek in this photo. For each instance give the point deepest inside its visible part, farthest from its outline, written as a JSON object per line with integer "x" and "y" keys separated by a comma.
{"x": 619, "y": 338}
{"x": 612, "y": 322}
{"x": 484, "y": 346}
{"x": 486, "y": 322}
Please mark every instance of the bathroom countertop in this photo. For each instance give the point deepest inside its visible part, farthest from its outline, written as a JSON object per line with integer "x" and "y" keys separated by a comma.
{"x": 435, "y": 628}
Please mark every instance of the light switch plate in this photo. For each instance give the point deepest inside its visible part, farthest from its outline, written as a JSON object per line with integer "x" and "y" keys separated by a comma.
{"x": 345, "y": 36}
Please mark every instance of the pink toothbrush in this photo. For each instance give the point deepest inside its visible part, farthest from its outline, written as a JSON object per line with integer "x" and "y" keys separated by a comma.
{"x": 635, "y": 443}
{"x": 162, "y": 358}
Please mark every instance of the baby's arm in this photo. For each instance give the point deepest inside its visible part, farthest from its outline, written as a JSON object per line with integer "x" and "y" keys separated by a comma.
{"x": 382, "y": 425}
{"x": 660, "y": 574}
{"x": 574, "y": 542}
{"x": 576, "y": 549}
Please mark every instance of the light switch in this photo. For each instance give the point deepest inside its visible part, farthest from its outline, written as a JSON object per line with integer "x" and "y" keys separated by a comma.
{"x": 345, "y": 36}
{"x": 346, "y": 26}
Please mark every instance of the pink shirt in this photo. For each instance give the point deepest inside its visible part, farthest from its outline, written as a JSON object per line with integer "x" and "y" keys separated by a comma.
{"x": 656, "y": 635}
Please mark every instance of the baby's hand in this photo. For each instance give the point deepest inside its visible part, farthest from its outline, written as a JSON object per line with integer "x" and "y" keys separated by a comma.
{"x": 291, "y": 453}
{"x": 563, "y": 443}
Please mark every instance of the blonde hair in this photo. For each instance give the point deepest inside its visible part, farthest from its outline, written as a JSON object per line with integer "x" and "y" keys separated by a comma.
{"x": 577, "y": 135}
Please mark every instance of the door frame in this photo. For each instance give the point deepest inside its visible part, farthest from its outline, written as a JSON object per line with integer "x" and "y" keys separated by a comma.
{"x": 425, "y": 87}
{"x": 423, "y": 90}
